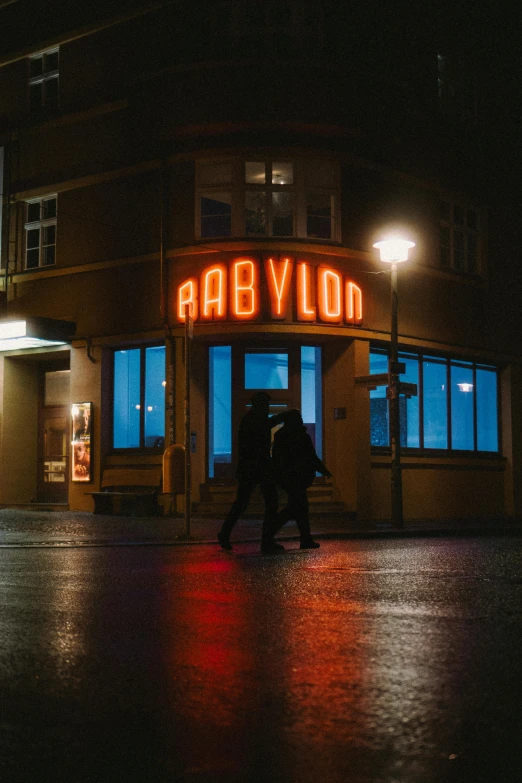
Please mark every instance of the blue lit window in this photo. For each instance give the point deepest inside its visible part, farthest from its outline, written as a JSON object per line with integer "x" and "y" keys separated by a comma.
{"x": 456, "y": 408}
{"x": 139, "y": 398}
{"x": 220, "y": 410}
{"x": 266, "y": 371}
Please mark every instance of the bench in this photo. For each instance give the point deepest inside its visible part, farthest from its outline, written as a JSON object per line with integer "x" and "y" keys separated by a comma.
{"x": 131, "y": 491}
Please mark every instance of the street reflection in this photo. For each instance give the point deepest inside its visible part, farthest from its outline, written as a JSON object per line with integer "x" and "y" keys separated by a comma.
{"x": 313, "y": 643}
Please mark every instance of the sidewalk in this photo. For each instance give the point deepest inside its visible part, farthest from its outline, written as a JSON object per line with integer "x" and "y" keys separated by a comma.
{"x": 20, "y": 527}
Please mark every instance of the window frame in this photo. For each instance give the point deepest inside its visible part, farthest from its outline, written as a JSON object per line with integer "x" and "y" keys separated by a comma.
{"x": 141, "y": 448}
{"x": 237, "y": 188}
{"x": 40, "y": 225}
{"x": 448, "y": 362}
{"x": 44, "y": 78}
{"x": 453, "y": 228}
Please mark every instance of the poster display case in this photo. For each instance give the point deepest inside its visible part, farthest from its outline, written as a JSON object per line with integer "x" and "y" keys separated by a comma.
{"x": 81, "y": 466}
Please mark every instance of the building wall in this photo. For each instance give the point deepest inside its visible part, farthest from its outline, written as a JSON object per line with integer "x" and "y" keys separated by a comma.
{"x": 18, "y": 450}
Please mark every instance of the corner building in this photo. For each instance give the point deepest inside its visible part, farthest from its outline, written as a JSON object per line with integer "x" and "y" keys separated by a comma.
{"x": 241, "y": 160}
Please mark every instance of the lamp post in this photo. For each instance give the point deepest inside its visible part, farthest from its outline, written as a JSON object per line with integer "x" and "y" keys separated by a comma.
{"x": 393, "y": 251}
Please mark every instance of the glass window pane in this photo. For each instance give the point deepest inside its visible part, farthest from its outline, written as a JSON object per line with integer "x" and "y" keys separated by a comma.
{"x": 50, "y": 62}
{"x": 33, "y": 212}
{"x": 311, "y": 394}
{"x": 255, "y": 173}
{"x": 487, "y": 410}
{"x": 462, "y": 408}
{"x": 126, "y": 410}
{"x": 445, "y": 246}
{"x": 215, "y": 173}
{"x": 154, "y": 436}
{"x": 220, "y": 410}
{"x": 409, "y": 408}
{"x": 435, "y": 405}
{"x": 32, "y": 259}
{"x": 379, "y": 423}
{"x": 458, "y": 250}
{"x": 216, "y": 215}
{"x": 255, "y": 213}
{"x": 49, "y": 235}
{"x": 33, "y": 238}
{"x": 49, "y": 208}
{"x": 35, "y": 66}
{"x": 49, "y": 255}
{"x": 282, "y": 214}
{"x": 266, "y": 371}
{"x": 319, "y": 215}
{"x": 282, "y": 173}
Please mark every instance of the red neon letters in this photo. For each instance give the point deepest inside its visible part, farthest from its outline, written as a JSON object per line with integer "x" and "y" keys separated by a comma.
{"x": 321, "y": 293}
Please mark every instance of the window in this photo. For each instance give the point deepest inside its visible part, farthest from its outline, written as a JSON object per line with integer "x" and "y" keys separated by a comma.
{"x": 139, "y": 398}
{"x": 268, "y": 198}
{"x": 40, "y": 232}
{"x": 459, "y": 238}
{"x": 43, "y": 81}
{"x": 456, "y": 408}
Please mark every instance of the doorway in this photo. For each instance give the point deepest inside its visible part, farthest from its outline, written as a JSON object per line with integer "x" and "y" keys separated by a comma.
{"x": 53, "y": 434}
{"x": 291, "y": 375}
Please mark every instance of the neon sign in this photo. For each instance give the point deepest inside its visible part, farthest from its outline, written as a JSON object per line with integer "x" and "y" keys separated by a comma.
{"x": 320, "y": 293}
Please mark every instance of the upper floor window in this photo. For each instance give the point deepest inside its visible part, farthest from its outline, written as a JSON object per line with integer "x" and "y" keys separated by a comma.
{"x": 456, "y": 408}
{"x": 139, "y": 398}
{"x": 261, "y": 197}
{"x": 43, "y": 80}
{"x": 459, "y": 238}
{"x": 40, "y": 232}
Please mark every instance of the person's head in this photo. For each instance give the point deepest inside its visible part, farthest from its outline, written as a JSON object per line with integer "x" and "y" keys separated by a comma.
{"x": 292, "y": 420}
{"x": 260, "y": 402}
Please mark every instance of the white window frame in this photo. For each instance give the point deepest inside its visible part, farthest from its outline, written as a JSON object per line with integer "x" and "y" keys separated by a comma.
{"x": 44, "y": 79}
{"x": 41, "y": 225}
{"x": 238, "y": 187}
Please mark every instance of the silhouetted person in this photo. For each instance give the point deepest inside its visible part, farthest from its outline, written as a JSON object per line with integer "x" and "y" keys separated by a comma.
{"x": 254, "y": 468}
{"x": 296, "y": 463}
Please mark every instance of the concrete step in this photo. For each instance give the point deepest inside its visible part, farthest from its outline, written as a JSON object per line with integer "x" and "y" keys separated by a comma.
{"x": 217, "y": 499}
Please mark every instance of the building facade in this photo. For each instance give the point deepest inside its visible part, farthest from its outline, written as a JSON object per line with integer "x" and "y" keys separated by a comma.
{"x": 238, "y": 164}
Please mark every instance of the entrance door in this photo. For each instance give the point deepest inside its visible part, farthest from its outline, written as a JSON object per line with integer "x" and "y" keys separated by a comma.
{"x": 53, "y": 436}
{"x": 292, "y": 377}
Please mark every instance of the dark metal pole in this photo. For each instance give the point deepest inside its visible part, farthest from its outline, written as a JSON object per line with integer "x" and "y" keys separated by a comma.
{"x": 395, "y": 424}
{"x": 187, "y": 341}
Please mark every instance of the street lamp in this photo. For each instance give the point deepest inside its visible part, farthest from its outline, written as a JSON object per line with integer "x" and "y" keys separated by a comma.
{"x": 393, "y": 251}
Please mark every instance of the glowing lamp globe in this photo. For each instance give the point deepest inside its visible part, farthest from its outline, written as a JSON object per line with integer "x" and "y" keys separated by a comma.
{"x": 394, "y": 250}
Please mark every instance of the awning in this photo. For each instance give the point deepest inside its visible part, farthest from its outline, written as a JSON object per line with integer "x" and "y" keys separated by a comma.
{"x": 19, "y": 333}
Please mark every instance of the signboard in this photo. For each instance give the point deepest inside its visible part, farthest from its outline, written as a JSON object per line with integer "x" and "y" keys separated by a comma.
{"x": 247, "y": 289}
{"x": 81, "y": 469}
{"x": 371, "y": 381}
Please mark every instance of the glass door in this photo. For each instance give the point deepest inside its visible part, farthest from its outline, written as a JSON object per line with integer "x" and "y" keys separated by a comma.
{"x": 54, "y": 436}
{"x": 292, "y": 376}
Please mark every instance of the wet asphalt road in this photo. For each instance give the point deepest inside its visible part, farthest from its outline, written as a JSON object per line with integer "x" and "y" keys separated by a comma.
{"x": 391, "y": 661}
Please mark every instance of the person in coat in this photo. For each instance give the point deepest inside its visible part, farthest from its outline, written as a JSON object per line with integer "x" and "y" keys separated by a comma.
{"x": 255, "y": 468}
{"x": 296, "y": 463}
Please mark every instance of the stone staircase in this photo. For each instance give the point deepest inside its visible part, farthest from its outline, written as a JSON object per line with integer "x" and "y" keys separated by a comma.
{"x": 216, "y": 500}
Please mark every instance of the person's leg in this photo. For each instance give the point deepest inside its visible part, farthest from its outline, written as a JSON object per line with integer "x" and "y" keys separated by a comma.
{"x": 270, "y": 518}
{"x": 240, "y": 504}
{"x": 302, "y": 511}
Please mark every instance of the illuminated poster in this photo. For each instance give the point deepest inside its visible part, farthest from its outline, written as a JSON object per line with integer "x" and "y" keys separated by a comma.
{"x": 81, "y": 442}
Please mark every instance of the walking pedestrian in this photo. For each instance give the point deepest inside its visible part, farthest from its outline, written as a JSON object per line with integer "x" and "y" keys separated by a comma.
{"x": 296, "y": 463}
{"x": 255, "y": 468}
